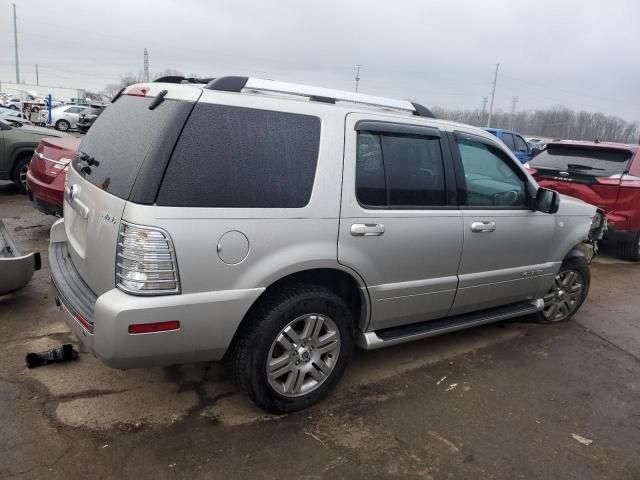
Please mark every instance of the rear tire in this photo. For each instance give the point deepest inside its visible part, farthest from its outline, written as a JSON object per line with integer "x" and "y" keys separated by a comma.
{"x": 63, "y": 125}
{"x": 568, "y": 292}
{"x": 293, "y": 348}
{"x": 19, "y": 175}
{"x": 630, "y": 250}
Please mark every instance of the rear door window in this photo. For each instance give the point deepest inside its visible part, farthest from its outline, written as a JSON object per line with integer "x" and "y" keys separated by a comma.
{"x": 399, "y": 171}
{"x": 597, "y": 161}
{"x": 242, "y": 158}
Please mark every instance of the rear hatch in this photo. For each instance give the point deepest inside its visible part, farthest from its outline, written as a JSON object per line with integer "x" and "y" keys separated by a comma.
{"x": 52, "y": 157}
{"x": 589, "y": 172}
{"x": 123, "y": 157}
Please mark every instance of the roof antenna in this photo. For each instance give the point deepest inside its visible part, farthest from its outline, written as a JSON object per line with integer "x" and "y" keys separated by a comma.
{"x": 597, "y": 140}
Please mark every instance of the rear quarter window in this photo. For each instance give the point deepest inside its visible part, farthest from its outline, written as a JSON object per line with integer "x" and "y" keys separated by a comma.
{"x": 243, "y": 158}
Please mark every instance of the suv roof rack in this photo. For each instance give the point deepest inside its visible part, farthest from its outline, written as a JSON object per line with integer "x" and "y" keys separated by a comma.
{"x": 316, "y": 94}
{"x": 179, "y": 79}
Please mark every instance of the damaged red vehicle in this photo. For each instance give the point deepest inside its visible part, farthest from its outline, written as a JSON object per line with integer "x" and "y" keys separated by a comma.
{"x": 603, "y": 174}
{"x": 48, "y": 171}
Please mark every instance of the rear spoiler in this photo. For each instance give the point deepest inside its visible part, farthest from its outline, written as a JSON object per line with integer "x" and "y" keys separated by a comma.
{"x": 179, "y": 79}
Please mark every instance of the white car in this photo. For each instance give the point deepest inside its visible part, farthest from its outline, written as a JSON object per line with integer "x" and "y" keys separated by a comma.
{"x": 65, "y": 117}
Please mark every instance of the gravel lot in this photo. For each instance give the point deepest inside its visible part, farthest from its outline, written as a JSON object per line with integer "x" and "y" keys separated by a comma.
{"x": 500, "y": 401}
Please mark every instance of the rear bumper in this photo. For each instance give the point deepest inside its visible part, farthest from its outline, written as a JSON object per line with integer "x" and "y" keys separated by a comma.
{"x": 47, "y": 197}
{"x": 16, "y": 270}
{"x": 614, "y": 235}
{"x": 208, "y": 320}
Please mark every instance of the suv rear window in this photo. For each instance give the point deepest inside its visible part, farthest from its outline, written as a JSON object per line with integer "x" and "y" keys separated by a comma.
{"x": 569, "y": 157}
{"x": 112, "y": 152}
{"x": 243, "y": 158}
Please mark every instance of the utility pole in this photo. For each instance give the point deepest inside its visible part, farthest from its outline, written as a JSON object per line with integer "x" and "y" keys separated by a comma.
{"x": 357, "y": 76}
{"x": 146, "y": 65}
{"x": 15, "y": 43}
{"x": 37, "y": 76}
{"x": 514, "y": 105}
{"x": 493, "y": 95}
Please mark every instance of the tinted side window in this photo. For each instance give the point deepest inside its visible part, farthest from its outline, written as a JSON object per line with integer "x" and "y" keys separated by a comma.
{"x": 398, "y": 170}
{"x": 243, "y": 158}
{"x": 521, "y": 145}
{"x": 490, "y": 179}
{"x": 507, "y": 138}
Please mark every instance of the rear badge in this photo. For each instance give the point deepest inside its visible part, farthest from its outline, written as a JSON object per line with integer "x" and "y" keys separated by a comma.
{"x": 109, "y": 218}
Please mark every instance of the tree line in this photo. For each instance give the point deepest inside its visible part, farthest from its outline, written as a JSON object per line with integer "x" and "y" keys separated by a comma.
{"x": 556, "y": 122}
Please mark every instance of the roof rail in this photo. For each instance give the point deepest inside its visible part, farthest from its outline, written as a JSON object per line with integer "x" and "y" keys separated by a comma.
{"x": 318, "y": 94}
{"x": 179, "y": 79}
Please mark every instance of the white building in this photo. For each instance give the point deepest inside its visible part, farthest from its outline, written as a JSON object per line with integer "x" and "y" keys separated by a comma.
{"x": 23, "y": 90}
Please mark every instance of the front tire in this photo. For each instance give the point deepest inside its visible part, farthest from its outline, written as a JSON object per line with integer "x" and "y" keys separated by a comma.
{"x": 569, "y": 290}
{"x": 63, "y": 125}
{"x": 293, "y": 348}
{"x": 630, "y": 250}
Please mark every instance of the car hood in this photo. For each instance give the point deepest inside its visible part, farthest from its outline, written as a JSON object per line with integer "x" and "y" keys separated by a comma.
{"x": 42, "y": 132}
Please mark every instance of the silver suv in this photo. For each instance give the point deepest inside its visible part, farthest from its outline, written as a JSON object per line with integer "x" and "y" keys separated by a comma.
{"x": 279, "y": 225}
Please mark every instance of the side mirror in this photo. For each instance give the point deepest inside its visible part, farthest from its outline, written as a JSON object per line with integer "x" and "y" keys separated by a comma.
{"x": 547, "y": 201}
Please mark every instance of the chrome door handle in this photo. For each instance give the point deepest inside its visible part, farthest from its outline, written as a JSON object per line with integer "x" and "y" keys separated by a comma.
{"x": 367, "y": 229}
{"x": 483, "y": 227}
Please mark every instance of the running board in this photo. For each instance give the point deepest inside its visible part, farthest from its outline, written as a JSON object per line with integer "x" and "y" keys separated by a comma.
{"x": 415, "y": 331}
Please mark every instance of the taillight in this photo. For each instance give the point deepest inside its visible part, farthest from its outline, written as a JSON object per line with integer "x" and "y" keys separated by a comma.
{"x": 137, "y": 91}
{"x": 622, "y": 180}
{"x": 530, "y": 169}
{"x": 146, "y": 261}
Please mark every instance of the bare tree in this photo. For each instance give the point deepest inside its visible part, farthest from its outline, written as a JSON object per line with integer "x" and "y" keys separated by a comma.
{"x": 556, "y": 122}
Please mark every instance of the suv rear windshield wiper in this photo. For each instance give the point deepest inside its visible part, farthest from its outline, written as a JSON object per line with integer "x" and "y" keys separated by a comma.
{"x": 575, "y": 166}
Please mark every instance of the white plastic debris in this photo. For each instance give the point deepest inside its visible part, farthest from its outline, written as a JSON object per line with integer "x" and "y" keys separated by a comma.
{"x": 581, "y": 439}
{"x": 451, "y": 387}
{"x": 441, "y": 380}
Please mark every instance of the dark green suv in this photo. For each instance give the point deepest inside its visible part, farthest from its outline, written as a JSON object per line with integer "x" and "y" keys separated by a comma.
{"x": 17, "y": 144}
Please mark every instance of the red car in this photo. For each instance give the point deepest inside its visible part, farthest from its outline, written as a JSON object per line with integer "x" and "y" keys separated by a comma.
{"x": 606, "y": 175}
{"x": 48, "y": 171}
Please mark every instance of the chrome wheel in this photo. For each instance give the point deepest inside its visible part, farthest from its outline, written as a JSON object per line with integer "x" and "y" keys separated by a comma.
{"x": 564, "y": 297}
{"x": 63, "y": 125}
{"x": 303, "y": 355}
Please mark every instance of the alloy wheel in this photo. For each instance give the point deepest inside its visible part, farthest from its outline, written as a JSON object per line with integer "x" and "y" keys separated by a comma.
{"x": 23, "y": 174}
{"x": 303, "y": 355}
{"x": 564, "y": 297}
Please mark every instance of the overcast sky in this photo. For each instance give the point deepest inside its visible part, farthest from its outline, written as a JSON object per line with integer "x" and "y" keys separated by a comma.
{"x": 583, "y": 54}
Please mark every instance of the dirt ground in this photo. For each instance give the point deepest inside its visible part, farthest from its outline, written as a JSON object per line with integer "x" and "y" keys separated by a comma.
{"x": 497, "y": 402}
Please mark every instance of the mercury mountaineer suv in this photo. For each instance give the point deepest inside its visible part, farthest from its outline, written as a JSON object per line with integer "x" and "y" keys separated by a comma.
{"x": 279, "y": 225}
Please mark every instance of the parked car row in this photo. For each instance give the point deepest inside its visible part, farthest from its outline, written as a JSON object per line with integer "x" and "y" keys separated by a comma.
{"x": 72, "y": 117}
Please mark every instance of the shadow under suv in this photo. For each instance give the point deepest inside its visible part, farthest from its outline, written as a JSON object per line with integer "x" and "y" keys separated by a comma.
{"x": 280, "y": 225}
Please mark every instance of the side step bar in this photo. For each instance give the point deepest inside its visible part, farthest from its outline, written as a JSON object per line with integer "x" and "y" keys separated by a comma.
{"x": 415, "y": 331}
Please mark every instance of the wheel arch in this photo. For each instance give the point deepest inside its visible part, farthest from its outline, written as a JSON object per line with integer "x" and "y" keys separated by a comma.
{"x": 18, "y": 154}
{"x": 345, "y": 283}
